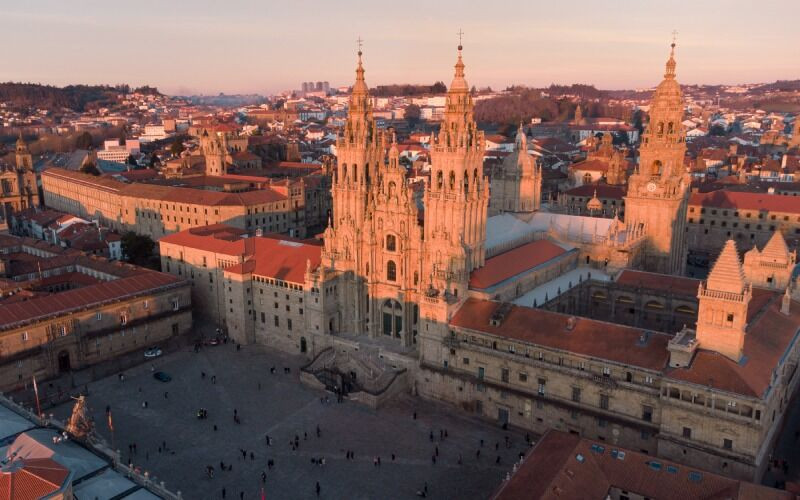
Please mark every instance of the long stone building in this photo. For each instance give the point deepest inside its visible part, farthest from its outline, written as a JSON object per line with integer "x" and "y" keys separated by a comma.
{"x": 61, "y": 310}
{"x": 535, "y": 319}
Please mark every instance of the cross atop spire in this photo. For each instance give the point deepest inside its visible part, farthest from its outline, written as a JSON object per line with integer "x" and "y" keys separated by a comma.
{"x": 671, "y": 61}
{"x": 460, "y": 36}
{"x": 359, "y": 43}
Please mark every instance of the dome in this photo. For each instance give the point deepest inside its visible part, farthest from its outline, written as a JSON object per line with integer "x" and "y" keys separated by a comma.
{"x": 594, "y": 205}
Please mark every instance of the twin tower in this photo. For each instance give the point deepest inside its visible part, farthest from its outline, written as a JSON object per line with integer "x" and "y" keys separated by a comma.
{"x": 390, "y": 250}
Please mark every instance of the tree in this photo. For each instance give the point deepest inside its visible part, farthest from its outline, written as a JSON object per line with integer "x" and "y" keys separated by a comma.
{"x": 177, "y": 147}
{"x": 138, "y": 249}
{"x": 154, "y": 161}
{"x": 717, "y": 130}
{"x": 412, "y": 115}
{"x": 638, "y": 121}
{"x": 90, "y": 168}
{"x": 84, "y": 141}
{"x": 619, "y": 138}
{"x": 131, "y": 160}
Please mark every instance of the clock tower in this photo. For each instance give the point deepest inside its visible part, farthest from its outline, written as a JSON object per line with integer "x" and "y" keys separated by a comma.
{"x": 658, "y": 192}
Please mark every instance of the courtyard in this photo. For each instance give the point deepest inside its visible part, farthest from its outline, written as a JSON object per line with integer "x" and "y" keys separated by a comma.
{"x": 150, "y": 414}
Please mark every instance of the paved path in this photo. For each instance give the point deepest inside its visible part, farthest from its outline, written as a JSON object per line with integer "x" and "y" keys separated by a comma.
{"x": 284, "y": 408}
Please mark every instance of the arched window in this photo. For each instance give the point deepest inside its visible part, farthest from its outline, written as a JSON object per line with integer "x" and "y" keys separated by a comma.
{"x": 392, "y": 187}
{"x": 392, "y": 318}
{"x": 355, "y": 173}
{"x": 658, "y": 167}
{"x": 391, "y": 271}
{"x": 466, "y": 181}
{"x": 439, "y": 179}
{"x": 660, "y": 127}
{"x": 391, "y": 243}
{"x": 587, "y": 178}
{"x": 344, "y": 171}
{"x": 670, "y": 128}
{"x": 452, "y": 180}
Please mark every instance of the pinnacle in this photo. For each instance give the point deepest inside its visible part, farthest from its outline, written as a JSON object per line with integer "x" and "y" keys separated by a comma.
{"x": 727, "y": 274}
{"x": 776, "y": 249}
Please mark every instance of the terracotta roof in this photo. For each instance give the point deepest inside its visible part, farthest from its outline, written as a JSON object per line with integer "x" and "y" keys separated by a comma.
{"x": 278, "y": 258}
{"x": 79, "y": 177}
{"x": 509, "y": 264}
{"x": 80, "y": 298}
{"x": 653, "y": 281}
{"x": 593, "y": 165}
{"x": 603, "y": 191}
{"x": 769, "y": 336}
{"x": 31, "y": 478}
{"x": 747, "y": 201}
{"x": 588, "y": 337}
{"x": 565, "y": 466}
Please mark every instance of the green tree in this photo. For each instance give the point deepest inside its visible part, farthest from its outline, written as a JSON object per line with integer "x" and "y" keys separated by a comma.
{"x": 84, "y": 141}
{"x": 177, "y": 147}
{"x": 153, "y": 161}
{"x": 138, "y": 249}
{"x": 717, "y": 130}
{"x": 412, "y": 115}
{"x": 131, "y": 160}
{"x": 90, "y": 168}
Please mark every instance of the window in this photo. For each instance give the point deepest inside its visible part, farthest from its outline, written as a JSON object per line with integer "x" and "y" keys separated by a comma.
{"x": 687, "y": 432}
{"x": 648, "y": 379}
{"x": 99, "y": 316}
{"x": 481, "y": 372}
{"x": 176, "y": 304}
{"x": 576, "y": 394}
{"x": 504, "y": 374}
{"x": 541, "y": 386}
{"x": 144, "y": 304}
{"x": 263, "y": 318}
{"x": 647, "y": 413}
{"x": 465, "y": 361}
{"x": 277, "y": 321}
{"x": 123, "y": 319}
{"x": 391, "y": 271}
{"x": 289, "y": 323}
{"x": 604, "y": 401}
{"x": 24, "y": 336}
{"x": 523, "y": 377}
{"x": 391, "y": 243}
{"x": 727, "y": 444}
{"x": 606, "y": 371}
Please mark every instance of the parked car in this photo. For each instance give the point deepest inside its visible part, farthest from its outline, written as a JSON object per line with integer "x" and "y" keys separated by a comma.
{"x": 162, "y": 376}
{"x": 153, "y": 352}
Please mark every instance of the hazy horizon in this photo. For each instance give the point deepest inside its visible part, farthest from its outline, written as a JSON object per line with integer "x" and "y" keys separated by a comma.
{"x": 247, "y": 47}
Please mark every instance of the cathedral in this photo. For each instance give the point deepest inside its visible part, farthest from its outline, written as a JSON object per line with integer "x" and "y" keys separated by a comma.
{"x": 508, "y": 311}
{"x": 18, "y": 189}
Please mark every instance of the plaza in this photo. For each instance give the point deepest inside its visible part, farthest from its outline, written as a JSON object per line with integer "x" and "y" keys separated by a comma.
{"x": 278, "y": 405}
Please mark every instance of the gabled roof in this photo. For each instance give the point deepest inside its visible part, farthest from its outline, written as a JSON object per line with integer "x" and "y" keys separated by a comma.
{"x": 727, "y": 274}
{"x": 513, "y": 262}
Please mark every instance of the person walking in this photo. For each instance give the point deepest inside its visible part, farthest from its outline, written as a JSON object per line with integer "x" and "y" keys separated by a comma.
{"x": 318, "y": 488}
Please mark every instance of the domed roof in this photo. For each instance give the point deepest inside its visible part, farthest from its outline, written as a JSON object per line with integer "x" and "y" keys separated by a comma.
{"x": 594, "y": 204}
{"x": 459, "y": 83}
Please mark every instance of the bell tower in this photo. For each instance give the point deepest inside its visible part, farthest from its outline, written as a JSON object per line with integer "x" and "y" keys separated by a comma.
{"x": 215, "y": 150}
{"x": 24, "y": 159}
{"x": 456, "y": 199}
{"x": 658, "y": 192}
{"x": 722, "y": 313}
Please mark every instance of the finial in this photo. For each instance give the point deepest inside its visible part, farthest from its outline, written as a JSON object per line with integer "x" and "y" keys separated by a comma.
{"x": 360, "y": 43}
{"x": 460, "y": 36}
{"x": 674, "y": 39}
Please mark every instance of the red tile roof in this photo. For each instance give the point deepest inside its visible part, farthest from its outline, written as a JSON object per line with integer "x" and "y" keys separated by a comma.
{"x": 738, "y": 200}
{"x": 593, "y": 165}
{"x": 663, "y": 282}
{"x": 770, "y": 334}
{"x": 13, "y": 315}
{"x": 31, "y": 478}
{"x": 511, "y": 263}
{"x": 279, "y": 258}
{"x": 588, "y": 337}
{"x": 553, "y": 470}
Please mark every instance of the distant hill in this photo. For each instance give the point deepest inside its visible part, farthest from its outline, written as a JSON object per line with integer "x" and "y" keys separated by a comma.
{"x": 75, "y": 97}
{"x": 408, "y": 90}
{"x": 780, "y": 86}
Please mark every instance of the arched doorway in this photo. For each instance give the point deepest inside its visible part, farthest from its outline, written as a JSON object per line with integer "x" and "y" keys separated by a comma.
{"x": 303, "y": 344}
{"x": 392, "y": 318}
{"x": 63, "y": 362}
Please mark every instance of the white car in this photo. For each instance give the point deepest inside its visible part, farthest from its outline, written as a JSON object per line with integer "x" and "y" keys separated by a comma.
{"x": 153, "y": 352}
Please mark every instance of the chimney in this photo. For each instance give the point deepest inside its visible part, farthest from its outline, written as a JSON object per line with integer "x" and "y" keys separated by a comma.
{"x": 786, "y": 302}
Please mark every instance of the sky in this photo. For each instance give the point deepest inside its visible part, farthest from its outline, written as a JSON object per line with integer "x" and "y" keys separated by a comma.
{"x": 267, "y": 46}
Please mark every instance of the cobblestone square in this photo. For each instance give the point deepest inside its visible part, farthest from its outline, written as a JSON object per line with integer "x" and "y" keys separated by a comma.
{"x": 278, "y": 405}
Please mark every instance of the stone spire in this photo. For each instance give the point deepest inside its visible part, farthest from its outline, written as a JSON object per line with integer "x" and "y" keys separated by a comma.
{"x": 522, "y": 139}
{"x": 775, "y": 250}
{"x": 727, "y": 274}
{"x": 670, "y": 73}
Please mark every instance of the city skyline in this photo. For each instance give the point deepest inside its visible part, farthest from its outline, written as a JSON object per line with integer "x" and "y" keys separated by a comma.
{"x": 247, "y": 48}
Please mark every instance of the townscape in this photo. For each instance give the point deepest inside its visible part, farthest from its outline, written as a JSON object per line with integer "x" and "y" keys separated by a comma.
{"x": 401, "y": 291}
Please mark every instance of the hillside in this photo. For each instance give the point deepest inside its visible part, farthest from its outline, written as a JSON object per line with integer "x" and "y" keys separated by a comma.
{"x": 75, "y": 97}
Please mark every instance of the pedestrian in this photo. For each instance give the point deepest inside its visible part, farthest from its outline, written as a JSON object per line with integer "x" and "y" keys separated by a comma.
{"x": 437, "y": 451}
{"x": 441, "y": 434}
{"x": 223, "y": 492}
{"x": 374, "y": 461}
{"x": 433, "y": 459}
{"x": 318, "y": 488}
{"x": 215, "y": 427}
{"x": 241, "y": 495}
{"x": 165, "y": 395}
{"x": 213, "y": 379}
{"x": 318, "y": 431}
{"x": 481, "y": 443}
{"x": 392, "y": 457}
{"x": 431, "y": 436}
{"x": 478, "y": 454}
{"x": 379, "y": 460}
{"x": 203, "y": 375}
{"x": 263, "y": 477}
{"x": 497, "y": 446}
{"x": 252, "y": 456}
{"x": 415, "y": 415}
{"x": 445, "y": 433}
{"x": 305, "y": 436}
{"x": 498, "y": 460}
